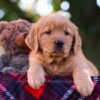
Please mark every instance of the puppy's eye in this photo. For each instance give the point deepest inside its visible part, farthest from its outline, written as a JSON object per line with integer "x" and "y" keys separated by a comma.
{"x": 66, "y": 33}
{"x": 48, "y": 32}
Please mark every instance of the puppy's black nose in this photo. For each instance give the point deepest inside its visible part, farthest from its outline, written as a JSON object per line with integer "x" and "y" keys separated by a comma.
{"x": 59, "y": 44}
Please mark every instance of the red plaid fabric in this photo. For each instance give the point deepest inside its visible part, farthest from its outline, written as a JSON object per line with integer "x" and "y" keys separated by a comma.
{"x": 15, "y": 87}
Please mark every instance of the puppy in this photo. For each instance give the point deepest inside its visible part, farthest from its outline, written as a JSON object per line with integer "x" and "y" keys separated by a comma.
{"x": 56, "y": 50}
{"x": 12, "y": 36}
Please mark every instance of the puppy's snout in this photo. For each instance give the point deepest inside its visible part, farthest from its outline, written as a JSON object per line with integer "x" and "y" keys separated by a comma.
{"x": 59, "y": 44}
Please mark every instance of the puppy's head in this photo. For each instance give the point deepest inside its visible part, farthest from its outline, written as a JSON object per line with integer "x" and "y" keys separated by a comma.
{"x": 54, "y": 35}
{"x": 12, "y": 35}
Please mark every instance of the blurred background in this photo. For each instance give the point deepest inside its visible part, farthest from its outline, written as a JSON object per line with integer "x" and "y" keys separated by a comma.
{"x": 84, "y": 13}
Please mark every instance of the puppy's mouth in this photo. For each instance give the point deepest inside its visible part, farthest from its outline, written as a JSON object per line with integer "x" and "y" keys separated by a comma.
{"x": 57, "y": 52}
{"x": 58, "y": 49}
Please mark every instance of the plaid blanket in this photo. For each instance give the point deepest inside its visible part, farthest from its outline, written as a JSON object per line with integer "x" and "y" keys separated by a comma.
{"x": 15, "y": 87}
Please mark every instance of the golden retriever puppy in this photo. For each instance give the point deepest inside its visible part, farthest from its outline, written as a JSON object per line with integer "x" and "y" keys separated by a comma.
{"x": 56, "y": 50}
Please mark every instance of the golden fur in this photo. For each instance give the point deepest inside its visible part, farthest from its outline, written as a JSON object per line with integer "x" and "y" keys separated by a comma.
{"x": 45, "y": 58}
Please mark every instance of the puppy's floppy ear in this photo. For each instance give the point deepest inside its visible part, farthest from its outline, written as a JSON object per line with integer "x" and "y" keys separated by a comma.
{"x": 32, "y": 40}
{"x": 2, "y": 37}
{"x": 20, "y": 40}
{"x": 77, "y": 43}
{"x": 2, "y": 28}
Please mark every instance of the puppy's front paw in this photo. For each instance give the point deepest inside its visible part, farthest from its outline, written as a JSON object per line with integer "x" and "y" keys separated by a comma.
{"x": 36, "y": 77}
{"x": 84, "y": 84}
